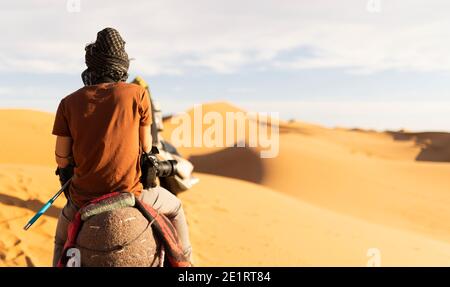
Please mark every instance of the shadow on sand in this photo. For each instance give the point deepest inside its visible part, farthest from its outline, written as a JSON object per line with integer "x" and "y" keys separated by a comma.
{"x": 241, "y": 163}
{"x": 435, "y": 146}
{"x": 33, "y": 205}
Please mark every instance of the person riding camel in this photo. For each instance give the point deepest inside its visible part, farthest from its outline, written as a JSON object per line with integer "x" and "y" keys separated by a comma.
{"x": 102, "y": 131}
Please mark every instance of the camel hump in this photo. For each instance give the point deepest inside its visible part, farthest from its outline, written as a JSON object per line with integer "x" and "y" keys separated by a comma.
{"x": 118, "y": 238}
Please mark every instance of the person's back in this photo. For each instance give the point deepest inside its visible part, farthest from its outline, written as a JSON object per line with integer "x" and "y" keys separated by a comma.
{"x": 101, "y": 131}
{"x": 103, "y": 120}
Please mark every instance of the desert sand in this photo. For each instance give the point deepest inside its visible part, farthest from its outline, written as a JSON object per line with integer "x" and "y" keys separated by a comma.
{"x": 325, "y": 200}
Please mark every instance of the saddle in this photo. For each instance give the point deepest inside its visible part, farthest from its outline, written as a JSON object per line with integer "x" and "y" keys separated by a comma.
{"x": 115, "y": 230}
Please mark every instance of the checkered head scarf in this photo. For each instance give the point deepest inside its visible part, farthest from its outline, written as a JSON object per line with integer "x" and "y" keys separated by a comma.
{"x": 106, "y": 59}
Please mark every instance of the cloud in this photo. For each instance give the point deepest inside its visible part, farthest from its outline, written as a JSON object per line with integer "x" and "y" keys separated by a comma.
{"x": 366, "y": 49}
{"x": 378, "y": 115}
{"x": 174, "y": 37}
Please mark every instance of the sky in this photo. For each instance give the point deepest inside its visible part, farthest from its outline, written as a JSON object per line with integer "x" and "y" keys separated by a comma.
{"x": 376, "y": 64}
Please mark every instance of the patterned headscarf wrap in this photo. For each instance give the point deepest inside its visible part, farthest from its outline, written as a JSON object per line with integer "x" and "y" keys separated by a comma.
{"x": 106, "y": 59}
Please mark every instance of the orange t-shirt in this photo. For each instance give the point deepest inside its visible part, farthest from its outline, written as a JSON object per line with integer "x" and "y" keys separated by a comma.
{"x": 103, "y": 120}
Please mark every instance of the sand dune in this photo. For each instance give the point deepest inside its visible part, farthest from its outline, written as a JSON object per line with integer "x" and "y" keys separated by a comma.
{"x": 434, "y": 146}
{"x": 23, "y": 190}
{"x": 379, "y": 177}
{"x": 398, "y": 192}
{"x": 232, "y": 223}
{"x": 329, "y": 196}
{"x": 244, "y": 224}
{"x": 26, "y": 137}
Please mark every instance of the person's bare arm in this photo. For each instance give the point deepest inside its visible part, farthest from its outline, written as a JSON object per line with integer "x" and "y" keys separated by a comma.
{"x": 145, "y": 138}
{"x": 63, "y": 151}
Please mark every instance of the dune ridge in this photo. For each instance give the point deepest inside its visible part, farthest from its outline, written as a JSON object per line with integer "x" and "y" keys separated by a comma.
{"x": 379, "y": 177}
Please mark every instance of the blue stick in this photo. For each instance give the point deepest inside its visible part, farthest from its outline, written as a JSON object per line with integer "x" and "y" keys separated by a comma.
{"x": 46, "y": 206}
